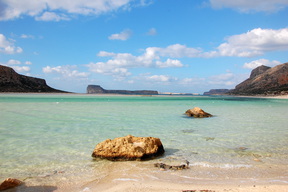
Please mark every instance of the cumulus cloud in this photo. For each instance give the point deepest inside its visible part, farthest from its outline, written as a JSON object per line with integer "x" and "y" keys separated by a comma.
{"x": 124, "y": 35}
{"x": 16, "y": 65}
{"x": 247, "y": 6}
{"x": 169, "y": 63}
{"x": 119, "y": 63}
{"x": 177, "y": 51}
{"x": 12, "y": 9}
{"x": 51, "y": 16}
{"x": 21, "y": 69}
{"x": 13, "y": 62}
{"x": 259, "y": 62}
{"x": 65, "y": 71}
{"x": 253, "y": 43}
{"x": 160, "y": 78}
{"x": 7, "y": 46}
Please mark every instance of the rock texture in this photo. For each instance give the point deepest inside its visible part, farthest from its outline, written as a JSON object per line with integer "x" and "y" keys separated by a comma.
{"x": 216, "y": 92}
{"x": 197, "y": 113}
{"x": 9, "y": 183}
{"x": 264, "y": 80}
{"x": 97, "y": 89}
{"x": 10, "y": 81}
{"x": 129, "y": 148}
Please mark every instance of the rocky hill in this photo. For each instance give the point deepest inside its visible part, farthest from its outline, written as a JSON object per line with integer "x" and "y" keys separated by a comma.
{"x": 97, "y": 89}
{"x": 264, "y": 80}
{"x": 10, "y": 81}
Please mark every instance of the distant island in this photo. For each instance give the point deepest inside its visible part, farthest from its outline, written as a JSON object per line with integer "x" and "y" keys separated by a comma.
{"x": 10, "y": 81}
{"x": 97, "y": 89}
{"x": 216, "y": 92}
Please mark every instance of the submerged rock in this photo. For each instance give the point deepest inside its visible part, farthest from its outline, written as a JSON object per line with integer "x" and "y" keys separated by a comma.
{"x": 129, "y": 148}
{"x": 197, "y": 113}
{"x": 9, "y": 183}
{"x": 164, "y": 166}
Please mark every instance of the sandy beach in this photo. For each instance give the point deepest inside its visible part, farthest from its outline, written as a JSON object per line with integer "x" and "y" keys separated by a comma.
{"x": 171, "y": 187}
{"x": 156, "y": 186}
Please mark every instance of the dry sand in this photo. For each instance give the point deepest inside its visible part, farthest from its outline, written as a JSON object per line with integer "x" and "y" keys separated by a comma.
{"x": 135, "y": 186}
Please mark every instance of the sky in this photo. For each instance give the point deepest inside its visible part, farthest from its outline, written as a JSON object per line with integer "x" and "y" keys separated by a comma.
{"x": 179, "y": 46}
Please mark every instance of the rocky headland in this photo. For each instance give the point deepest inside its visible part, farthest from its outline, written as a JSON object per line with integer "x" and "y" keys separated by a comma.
{"x": 97, "y": 89}
{"x": 10, "y": 81}
{"x": 264, "y": 80}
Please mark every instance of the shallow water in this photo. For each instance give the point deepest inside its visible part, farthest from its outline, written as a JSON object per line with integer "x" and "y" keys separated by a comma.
{"x": 48, "y": 139}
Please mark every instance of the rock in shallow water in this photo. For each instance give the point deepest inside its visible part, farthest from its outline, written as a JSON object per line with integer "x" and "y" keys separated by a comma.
{"x": 9, "y": 183}
{"x": 197, "y": 113}
{"x": 129, "y": 148}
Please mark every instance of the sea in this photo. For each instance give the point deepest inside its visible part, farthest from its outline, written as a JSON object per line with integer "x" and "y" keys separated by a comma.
{"x": 48, "y": 139}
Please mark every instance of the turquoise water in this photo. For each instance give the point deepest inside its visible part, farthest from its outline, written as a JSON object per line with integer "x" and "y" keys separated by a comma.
{"x": 50, "y": 138}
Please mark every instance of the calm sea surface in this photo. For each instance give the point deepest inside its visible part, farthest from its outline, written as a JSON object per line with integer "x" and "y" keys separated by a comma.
{"x": 48, "y": 139}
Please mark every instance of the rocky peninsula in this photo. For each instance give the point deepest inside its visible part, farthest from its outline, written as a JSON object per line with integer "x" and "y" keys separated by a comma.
{"x": 10, "y": 81}
{"x": 264, "y": 80}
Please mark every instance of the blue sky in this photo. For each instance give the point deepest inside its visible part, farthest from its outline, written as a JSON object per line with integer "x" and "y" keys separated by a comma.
{"x": 187, "y": 46}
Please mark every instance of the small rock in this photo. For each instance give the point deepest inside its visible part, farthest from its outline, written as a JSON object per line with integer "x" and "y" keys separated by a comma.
{"x": 209, "y": 138}
{"x": 10, "y": 183}
{"x": 197, "y": 113}
{"x": 164, "y": 166}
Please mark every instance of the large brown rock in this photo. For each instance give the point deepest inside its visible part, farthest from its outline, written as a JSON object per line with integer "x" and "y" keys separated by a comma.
{"x": 9, "y": 183}
{"x": 197, "y": 112}
{"x": 129, "y": 148}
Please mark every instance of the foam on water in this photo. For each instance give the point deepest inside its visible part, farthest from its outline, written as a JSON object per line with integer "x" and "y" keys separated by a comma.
{"x": 52, "y": 136}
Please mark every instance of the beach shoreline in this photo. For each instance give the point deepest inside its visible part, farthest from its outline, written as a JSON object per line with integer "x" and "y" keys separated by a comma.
{"x": 122, "y": 185}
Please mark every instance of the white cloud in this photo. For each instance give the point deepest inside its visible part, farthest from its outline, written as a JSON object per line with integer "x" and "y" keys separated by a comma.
{"x": 253, "y": 43}
{"x": 65, "y": 71}
{"x": 25, "y": 36}
{"x": 15, "y": 65}
{"x": 169, "y": 63}
{"x": 7, "y": 46}
{"x": 152, "y": 32}
{"x": 247, "y": 6}
{"x": 12, "y": 9}
{"x": 51, "y": 16}
{"x": 119, "y": 63}
{"x": 160, "y": 78}
{"x": 259, "y": 62}
{"x": 21, "y": 69}
{"x": 13, "y": 62}
{"x": 176, "y": 51}
{"x": 124, "y": 35}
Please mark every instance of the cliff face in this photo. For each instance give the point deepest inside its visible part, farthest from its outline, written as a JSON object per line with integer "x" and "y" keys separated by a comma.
{"x": 10, "y": 81}
{"x": 96, "y": 89}
{"x": 264, "y": 80}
